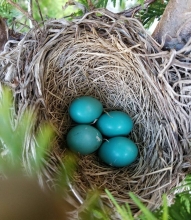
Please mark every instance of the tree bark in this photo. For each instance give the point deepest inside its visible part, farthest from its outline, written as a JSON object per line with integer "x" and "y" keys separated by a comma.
{"x": 174, "y": 28}
{"x": 3, "y": 33}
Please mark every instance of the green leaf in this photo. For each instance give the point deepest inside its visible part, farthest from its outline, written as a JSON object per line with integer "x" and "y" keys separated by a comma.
{"x": 154, "y": 10}
{"x": 43, "y": 138}
{"x": 66, "y": 170}
{"x": 114, "y": 2}
{"x": 128, "y": 210}
{"x": 165, "y": 208}
{"x": 148, "y": 214}
{"x": 93, "y": 207}
{"x": 125, "y": 214}
{"x": 98, "y": 214}
{"x": 16, "y": 133}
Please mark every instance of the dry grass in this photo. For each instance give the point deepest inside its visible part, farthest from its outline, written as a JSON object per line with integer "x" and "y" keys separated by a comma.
{"x": 116, "y": 61}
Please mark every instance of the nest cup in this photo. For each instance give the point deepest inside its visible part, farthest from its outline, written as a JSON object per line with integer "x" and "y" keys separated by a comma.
{"x": 113, "y": 59}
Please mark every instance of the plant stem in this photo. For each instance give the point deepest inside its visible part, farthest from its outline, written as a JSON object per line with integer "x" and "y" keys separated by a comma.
{"x": 29, "y": 16}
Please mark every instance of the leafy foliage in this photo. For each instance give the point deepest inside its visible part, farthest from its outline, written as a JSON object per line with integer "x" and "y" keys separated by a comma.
{"x": 16, "y": 134}
{"x": 147, "y": 16}
{"x": 7, "y": 11}
{"x": 102, "y": 3}
{"x": 93, "y": 208}
{"x": 154, "y": 11}
{"x": 180, "y": 209}
{"x": 51, "y": 10}
{"x": 124, "y": 210}
{"x": 66, "y": 171}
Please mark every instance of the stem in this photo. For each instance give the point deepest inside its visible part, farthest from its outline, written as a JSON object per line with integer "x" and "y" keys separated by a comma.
{"x": 30, "y": 11}
{"x": 22, "y": 11}
{"x": 132, "y": 11}
{"x": 39, "y": 10}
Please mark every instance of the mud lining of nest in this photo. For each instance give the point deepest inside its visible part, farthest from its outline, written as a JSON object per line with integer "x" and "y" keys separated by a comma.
{"x": 116, "y": 61}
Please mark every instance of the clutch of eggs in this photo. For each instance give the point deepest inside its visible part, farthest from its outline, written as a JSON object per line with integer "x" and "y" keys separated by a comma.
{"x": 118, "y": 150}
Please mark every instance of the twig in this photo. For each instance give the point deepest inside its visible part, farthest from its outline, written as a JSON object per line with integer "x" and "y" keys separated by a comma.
{"x": 30, "y": 11}
{"x": 132, "y": 11}
{"x": 39, "y": 10}
{"x": 22, "y": 11}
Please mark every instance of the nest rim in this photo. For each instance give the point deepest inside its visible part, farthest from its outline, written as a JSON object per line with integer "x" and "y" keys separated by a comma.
{"x": 66, "y": 47}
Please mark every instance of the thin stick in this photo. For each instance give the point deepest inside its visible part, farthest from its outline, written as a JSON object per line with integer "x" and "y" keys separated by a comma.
{"x": 22, "y": 11}
{"x": 132, "y": 11}
{"x": 39, "y": 10}
{"x": 30, "y": 11}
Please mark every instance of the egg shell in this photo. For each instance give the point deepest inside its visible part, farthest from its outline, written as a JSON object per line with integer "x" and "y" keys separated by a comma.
{"x": 85, "y": 109}
{"x": 84, "y": 139}
{"x": 114, "y": 123}
{"x": 118, "y": 152}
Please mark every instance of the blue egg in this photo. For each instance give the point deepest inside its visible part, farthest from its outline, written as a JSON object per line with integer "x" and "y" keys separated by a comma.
{"x": 84, "y": 139}
{"x": 115, "y": 123}
{"x": 85, "y": 109}
{"x": 118, "y": 152}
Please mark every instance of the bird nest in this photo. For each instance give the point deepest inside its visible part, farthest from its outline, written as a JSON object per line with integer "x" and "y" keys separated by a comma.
{"x": 113, "y": 59}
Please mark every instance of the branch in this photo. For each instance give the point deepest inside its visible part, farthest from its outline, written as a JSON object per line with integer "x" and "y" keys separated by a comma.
{"x": 174, "y": 30}
{"x": 30, "y": 11}
{"x": 39, "y": 10}
{"x": 23, "y": 11}
{"x": 132, "y": 11}
{"x": 4, "y": 33}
